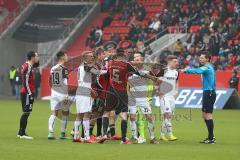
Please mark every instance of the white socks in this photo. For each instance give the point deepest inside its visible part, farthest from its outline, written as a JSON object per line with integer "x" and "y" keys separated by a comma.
{"x": 164, "y": 128}
{"x": 86, "y": 126}
{"x": 64, "y": 123}
{"x": 168, "y": 126}
{"x": 77, "y": 124}
{"x": 134, "y": 128}
{"x": 151, "y": 130}
{"x": 51, "y": 122}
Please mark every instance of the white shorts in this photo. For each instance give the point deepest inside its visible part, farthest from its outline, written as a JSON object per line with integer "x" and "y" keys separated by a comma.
{"x": 167, "y": 104}
{"x": 143, "y": 105}
{"x": 57, "y": 102}
{"x": 83, "y": 104}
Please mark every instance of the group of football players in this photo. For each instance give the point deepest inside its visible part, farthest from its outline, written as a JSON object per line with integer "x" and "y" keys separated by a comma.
{"x": 114, "y": 82}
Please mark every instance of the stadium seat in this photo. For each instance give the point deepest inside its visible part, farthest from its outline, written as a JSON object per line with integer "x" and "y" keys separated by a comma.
{"x": 194, "y": 28}
{"x": 117, "y": 23}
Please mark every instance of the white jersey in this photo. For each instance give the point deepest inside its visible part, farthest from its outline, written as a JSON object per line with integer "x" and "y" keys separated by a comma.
{"x": 138, "y": 86}
{"x": 84, "y": 80}
{"x": 168, "y": 86}
{"x": 59, "y": 76}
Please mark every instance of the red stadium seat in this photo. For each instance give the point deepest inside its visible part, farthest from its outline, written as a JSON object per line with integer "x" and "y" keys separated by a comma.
{"x": 194, "y": 28}
{"x": 107, "y": 37}
{"x": 117, "y": 23}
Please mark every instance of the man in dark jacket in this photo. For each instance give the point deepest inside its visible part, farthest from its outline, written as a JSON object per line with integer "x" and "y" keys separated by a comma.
{"x": 233, "y": 82}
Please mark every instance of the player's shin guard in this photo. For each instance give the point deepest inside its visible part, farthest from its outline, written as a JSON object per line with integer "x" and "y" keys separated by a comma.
{"x": 77, "y": 124}
{"x": 134, "y": 129}
{"x": 64, "y": 123}
{"x": 51, "y": 122}
{"x": 151, "y": 130}
{"x": 141, "y": 124}
{"x": 23, "y": 123}
{"x": 168, "y": 124}
{"x": 124, "y": 130}
{"x": 105, "y": 121}
{"x": 91, "y": 129}
{"x": 163, "y": 128}
{"x": 99, "y": 126}
{"x": 86, "y": 125}
{"x": 112, "y": 129}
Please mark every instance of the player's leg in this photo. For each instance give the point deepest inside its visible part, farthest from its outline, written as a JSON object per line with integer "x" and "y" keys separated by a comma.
{"x": 133, "y": 124}
{"x": 77, "y": 124}
{"x": 147, "y": 111}
{"x": 54, "y": 103}
{"x": 112, "y": 121}
{"x": 124, "y": 117}
{"x": 78, "y": 121}
{"x": 132, "y": 109}
{"x": 64, "y": 121}
{"x": 27, "y": 104}
{"x": 141, "y": 123}
{"x": 51, "y": 123}
{"x": 93, "y": 120}
{"x": 209, "y": 98}
{"x": 99, "y": 118}
{"x": 86, "y": 126}
{"x": 166, "y": 111}
{"x": 109, "y": 109}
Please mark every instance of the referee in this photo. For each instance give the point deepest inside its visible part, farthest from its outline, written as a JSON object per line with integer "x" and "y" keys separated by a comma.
{"x": 209, "y": 94}
{"x": 27, "y": 92}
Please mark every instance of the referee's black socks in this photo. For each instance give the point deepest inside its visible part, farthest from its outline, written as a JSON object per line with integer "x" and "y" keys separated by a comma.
{"x": 210, "y": 127}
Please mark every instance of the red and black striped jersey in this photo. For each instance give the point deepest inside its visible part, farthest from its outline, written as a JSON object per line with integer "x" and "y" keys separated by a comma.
{"x": 28, "y": 85}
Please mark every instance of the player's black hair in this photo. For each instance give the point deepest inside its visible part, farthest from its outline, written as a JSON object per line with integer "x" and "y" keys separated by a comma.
{"x": 207, "y": 55}
{"x": 31, "y": 54}
{"x": 60, "y": 54}
{"x": 120, "y": 52}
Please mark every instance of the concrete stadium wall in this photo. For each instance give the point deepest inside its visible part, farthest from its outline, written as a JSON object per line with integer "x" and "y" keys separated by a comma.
{"x": 12, "y": 52}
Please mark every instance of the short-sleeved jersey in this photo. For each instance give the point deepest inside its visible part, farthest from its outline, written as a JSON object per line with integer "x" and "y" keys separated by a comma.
{"x": 27, "y": 79}
{"x": 138, "y": 86}
{"x": 58, "y": 78}
{"x": 118, "y": 74}
{"x": 84, "y": 80}
{"x": 168, "y": 86}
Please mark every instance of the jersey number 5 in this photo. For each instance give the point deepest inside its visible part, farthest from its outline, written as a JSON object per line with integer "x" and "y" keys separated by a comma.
{"x": 115, "y": 75}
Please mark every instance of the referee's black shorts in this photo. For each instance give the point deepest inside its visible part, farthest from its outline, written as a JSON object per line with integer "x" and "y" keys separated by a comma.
{"x": 209, "y": 98}
{"x": 27, "y": 103}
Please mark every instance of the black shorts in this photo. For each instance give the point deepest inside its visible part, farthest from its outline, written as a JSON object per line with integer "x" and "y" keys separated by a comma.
{"x": 98, "y": 105}
{"x": 116, "y": 100}
{"x": 209, "y": 98}
{"x": 27, "y": 103}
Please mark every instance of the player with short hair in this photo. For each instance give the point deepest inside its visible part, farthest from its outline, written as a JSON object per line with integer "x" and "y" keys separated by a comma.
{"x": 167, "y": 91}
{"x": 59, "y": 95}
{"x": 117, "y": 99}
{"x": 138, "y": 98}
{"x": 27, "y": 92}
{"x": 84, "y": 100}
{"x": 209, "y": 94}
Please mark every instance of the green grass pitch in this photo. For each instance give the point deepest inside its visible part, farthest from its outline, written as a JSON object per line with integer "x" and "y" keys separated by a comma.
{"x": 188, "y": 127}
